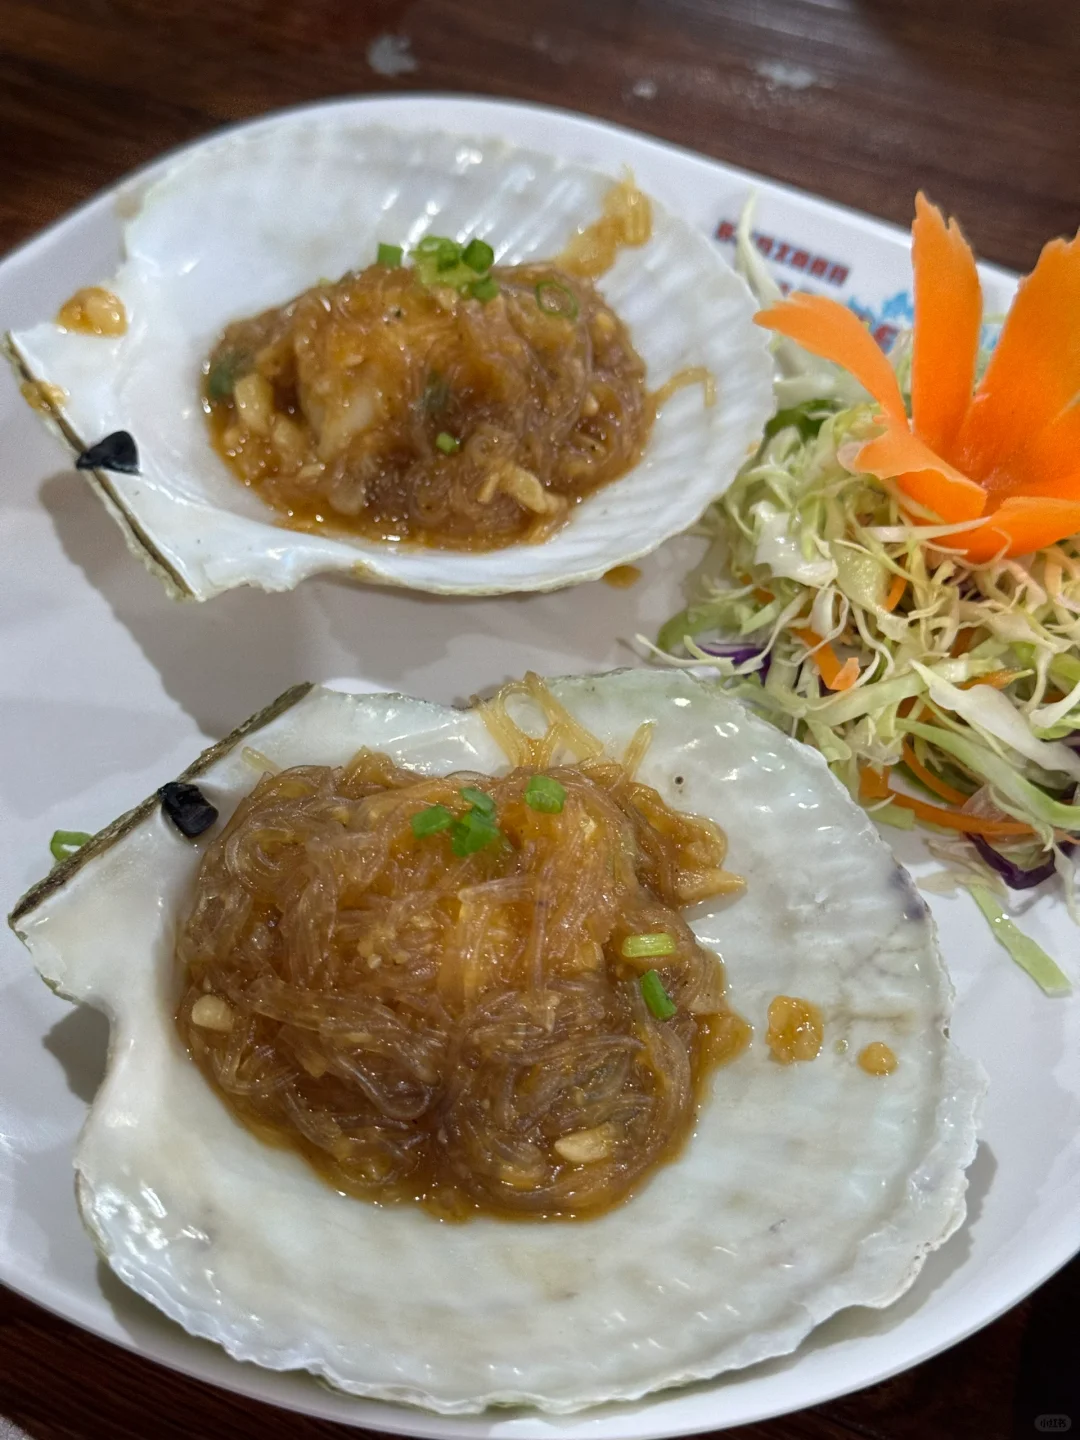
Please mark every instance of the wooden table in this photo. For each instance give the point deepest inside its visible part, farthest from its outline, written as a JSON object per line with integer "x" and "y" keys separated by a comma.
{"x": 861, "y": 101}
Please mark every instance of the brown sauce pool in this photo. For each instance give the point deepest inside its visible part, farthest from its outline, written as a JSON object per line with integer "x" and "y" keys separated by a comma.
{"x": 474, "y": 1033}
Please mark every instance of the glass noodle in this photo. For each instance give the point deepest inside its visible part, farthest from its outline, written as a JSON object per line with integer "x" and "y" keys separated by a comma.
{"x": 467, "y": 1030}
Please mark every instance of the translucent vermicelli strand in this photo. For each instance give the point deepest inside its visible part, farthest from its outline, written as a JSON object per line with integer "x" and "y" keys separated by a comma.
{"x": 463, "y": 1027}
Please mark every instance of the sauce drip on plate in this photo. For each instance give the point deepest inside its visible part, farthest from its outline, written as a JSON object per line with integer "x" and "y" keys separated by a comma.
{"x": 93, "y": 311}
{"x": 622, "y": 577}
{"x": 796, "y": 1029}
{"x": 878, "y": 1059}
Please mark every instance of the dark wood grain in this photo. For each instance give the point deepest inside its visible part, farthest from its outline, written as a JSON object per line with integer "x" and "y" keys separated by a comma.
{"x": 859, "y": 100}
{"x": 57, "y": 1383}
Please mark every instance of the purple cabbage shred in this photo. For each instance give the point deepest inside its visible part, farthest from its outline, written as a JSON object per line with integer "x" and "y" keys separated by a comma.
{"x": 1017, "y": 877}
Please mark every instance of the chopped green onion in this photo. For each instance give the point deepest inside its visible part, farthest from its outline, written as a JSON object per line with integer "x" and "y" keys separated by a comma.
{"x": 432, "y": 244}
{"x": 483, "y": 290}
{"x": 545, "y": 794}
{"x": 473, "y": 832}
{"x": 389, "y": 255}
{"x": 431, "y": 820}
{"x": 1027, "y": 954}
{"x": 479, "y": 256}
{"x": 555, "y": 299}
{"x": 448, "y": 255}
{"x": 222, "y": 377}
{"x": 658, "y": 943}
{"x": 447, "y": 443}
{"x": 479, "y": 800}
{"x": 64, "y": 843}
{"x": 656, "y": 997}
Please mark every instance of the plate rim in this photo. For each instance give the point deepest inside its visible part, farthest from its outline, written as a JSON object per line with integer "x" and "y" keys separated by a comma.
{"x": 402, "y": 1420}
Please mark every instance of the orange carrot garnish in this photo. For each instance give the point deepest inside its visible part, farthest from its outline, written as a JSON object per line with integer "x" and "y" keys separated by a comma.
{"x": 948, "y": 317}
{"x": 1034, "y": 372}
{"x": 924, "y": 476}
{"x": 1049, "y": 459}
{"x": 836, "y": 676}
{"x": 1010, "y": 451}
{"x": 832, "y": 330}
{"x": 1020, "y": 524}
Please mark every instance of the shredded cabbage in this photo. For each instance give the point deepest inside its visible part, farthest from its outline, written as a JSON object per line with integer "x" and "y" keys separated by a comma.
{"x": 967, "y": 694}
{"x": 1027, "y": 954}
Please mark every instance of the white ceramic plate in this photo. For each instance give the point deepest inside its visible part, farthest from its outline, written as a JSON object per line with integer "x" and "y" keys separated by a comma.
{"x": 107, "y": 688}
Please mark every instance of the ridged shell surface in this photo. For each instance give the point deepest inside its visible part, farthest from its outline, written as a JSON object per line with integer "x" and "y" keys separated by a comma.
{"x": 805, "y": 1188}
{"x": 248, "y": 220}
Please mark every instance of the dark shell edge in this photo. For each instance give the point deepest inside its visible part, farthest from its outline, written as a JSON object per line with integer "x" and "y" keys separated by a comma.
{"x": 135, "y": 535}
{"x": 104, "y": 840}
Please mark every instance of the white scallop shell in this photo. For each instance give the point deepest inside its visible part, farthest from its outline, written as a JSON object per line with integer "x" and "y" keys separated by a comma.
{"x": 805, "y": 1188}
{"x": 248, "y": 220}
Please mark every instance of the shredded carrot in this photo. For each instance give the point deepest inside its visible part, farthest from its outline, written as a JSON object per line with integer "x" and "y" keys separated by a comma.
{"x": 906, "y": 708}
{"x": 963, "y": 642}
{"x": 1034, "y": 373}
{"x": 948, "y": 318}
{"x": 849, "y": 673}
{"x": 764, "y": 597}
{"x": 998, "y": 679}
{"x": 929, "y": 779}
{"x": 835, "y": 332}
{"x": 836, "y": 676}
{"x": 874, "y": 786}
{"x": 896, "y": 592}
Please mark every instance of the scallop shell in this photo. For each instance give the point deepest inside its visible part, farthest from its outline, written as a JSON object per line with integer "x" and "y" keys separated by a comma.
{"x": 805, "y": 1188}
{"x": 248, "y": 220}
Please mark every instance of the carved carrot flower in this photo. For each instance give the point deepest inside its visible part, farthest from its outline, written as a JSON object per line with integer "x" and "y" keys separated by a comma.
{"x": 1007, "y": 449}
